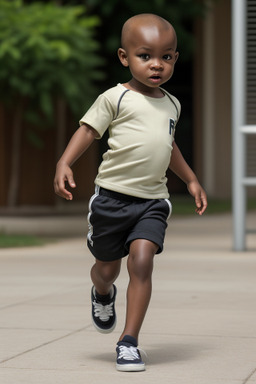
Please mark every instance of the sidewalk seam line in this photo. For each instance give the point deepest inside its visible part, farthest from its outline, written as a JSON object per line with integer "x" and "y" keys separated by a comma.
{"x": 43, "y": 345}
{"x": 249, "y": 377}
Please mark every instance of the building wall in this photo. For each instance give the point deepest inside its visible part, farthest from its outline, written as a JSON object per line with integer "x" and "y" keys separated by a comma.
{"x": 212, "y": 98}
{"x": 37, "y": 166}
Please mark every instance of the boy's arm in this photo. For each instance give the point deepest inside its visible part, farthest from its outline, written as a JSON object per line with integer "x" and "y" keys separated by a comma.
{"x": 180, "y": 167}
{"x": 80, "y": 141}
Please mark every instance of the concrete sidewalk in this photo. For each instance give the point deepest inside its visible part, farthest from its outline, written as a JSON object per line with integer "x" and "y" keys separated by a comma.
{"x": 200, "y": 327}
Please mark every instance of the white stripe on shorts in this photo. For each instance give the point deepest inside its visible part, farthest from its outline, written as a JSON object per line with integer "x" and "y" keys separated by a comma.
{"x": 90, "y": 231}
{"x": 170, "y": 208}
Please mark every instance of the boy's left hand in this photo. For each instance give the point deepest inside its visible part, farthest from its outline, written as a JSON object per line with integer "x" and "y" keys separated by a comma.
{"x": 199, "y": 195}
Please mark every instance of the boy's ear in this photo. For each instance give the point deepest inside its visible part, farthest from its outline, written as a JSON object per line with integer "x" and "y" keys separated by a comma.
{"x": 176, "y": 56}
{"x": 123, "y": 57}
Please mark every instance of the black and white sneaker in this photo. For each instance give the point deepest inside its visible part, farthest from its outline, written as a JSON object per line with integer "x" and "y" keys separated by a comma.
{"x": 128, "y": 355}
{"x": 103, "y": 310}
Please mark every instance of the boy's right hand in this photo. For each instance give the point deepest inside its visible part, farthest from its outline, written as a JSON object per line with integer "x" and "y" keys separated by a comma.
{"x": 63, "y": 173}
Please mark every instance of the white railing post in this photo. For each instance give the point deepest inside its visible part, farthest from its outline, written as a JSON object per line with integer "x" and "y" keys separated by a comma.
{"x": 238, "y": 120}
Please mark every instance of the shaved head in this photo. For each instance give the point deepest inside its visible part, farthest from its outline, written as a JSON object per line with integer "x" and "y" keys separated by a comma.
{"x": 144, "y": 20}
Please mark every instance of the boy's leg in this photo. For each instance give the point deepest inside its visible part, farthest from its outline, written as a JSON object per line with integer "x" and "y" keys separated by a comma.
{"x": 140, "y": 267}
{"x": 104, "y": 274}
{"x": 103, "y": 295}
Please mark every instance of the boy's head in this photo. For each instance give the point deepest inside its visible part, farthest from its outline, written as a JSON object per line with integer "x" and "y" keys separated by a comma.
{"x": 149, "y": 45}
{"x": 146, "y": 21}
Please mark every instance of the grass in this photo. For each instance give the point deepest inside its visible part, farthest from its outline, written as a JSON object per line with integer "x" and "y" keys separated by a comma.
{"x": 10, "y": 241}
{"x": 184, "y": 205}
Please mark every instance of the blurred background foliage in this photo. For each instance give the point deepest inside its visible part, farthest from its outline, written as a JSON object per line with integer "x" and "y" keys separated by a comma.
{"x": 44, "y": 52}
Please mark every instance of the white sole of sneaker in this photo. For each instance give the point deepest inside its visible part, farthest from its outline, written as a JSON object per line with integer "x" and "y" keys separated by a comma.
{"x": 130, "y": 367}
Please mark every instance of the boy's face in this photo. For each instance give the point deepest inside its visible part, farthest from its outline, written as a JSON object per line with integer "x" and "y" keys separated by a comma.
{"x": 150, "y": 53}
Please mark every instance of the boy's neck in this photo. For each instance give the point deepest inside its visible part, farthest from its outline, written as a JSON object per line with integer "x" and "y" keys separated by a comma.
{"x": 144, "y": 90}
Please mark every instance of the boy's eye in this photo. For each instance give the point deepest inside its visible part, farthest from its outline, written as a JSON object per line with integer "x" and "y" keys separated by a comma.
{"x": 144, "y": 56}
{"x": 167, "y": 57}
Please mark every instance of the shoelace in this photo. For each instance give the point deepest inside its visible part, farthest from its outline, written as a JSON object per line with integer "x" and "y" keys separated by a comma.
{"x": 128, "y": 353}
{"x": 104, "y": 312}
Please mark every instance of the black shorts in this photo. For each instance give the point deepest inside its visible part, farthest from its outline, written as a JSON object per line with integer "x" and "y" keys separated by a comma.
{"x": 115, "y": 220}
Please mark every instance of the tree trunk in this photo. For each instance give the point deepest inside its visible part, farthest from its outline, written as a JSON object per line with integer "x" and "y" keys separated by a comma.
{"x": 61, "y": 128}
{"x": 14, "y": 183}
{"x": 3, "y": 160}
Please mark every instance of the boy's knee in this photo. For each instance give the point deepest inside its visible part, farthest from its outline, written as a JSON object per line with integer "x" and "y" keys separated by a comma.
{"x": 140, "y": 266}
{"x": 108, "y": 272}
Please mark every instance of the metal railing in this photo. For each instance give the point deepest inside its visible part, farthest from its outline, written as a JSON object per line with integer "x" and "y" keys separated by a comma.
{"x": 240, "y": 181}
{"x": 239, "y": 195}
{"x": 248, "y": 130}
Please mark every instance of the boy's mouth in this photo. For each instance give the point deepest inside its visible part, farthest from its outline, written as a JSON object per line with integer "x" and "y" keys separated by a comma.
{"x": 155, "y": 78}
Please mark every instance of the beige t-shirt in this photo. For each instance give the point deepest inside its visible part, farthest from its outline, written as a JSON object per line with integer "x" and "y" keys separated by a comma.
{"x": 141, "y": 132}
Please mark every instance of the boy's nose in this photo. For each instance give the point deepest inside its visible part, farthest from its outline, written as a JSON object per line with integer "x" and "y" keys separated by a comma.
{"x": 157, "y": 64}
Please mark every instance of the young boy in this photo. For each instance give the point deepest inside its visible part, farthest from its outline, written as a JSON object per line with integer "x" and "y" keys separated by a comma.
{"x": 128, "y": 212}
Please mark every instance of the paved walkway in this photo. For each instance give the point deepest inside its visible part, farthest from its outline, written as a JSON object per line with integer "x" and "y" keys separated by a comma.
{"x": 200, "y": 327}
